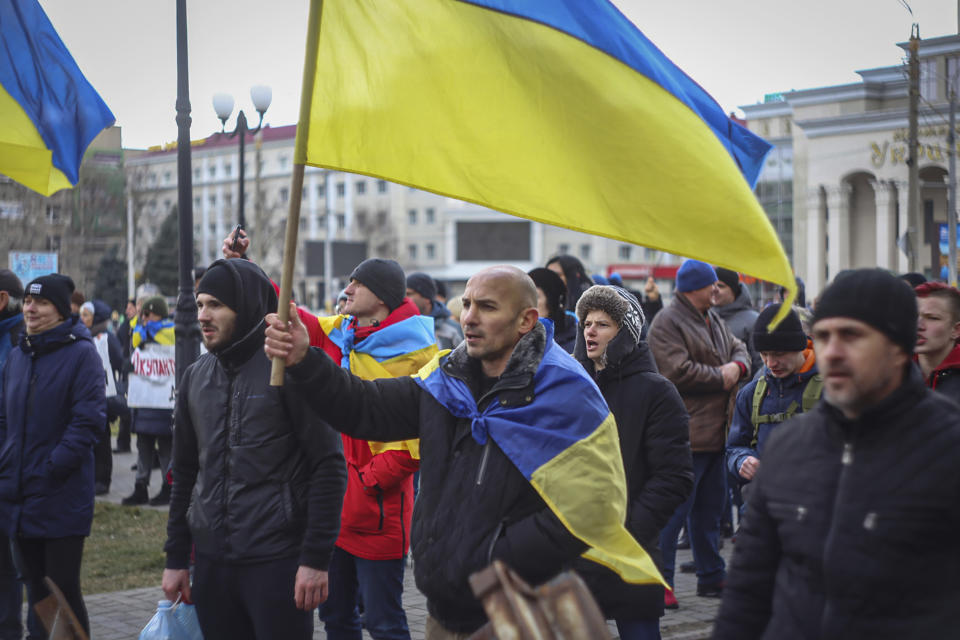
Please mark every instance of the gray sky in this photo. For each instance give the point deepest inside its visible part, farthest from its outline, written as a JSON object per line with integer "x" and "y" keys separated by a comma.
{"x": 737, "y": 50}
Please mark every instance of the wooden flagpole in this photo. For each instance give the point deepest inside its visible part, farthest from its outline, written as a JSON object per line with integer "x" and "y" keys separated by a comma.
{"x": 296, "y": 190}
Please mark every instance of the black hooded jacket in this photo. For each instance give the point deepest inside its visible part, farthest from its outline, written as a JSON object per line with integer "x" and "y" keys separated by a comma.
{"x": 655, "y": 444}
{"x": 256, "y": 476}
{"x": 852, "y": 526}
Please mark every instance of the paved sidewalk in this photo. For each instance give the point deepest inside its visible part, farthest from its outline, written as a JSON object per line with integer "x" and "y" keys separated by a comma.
{"x": 120, "y": 615}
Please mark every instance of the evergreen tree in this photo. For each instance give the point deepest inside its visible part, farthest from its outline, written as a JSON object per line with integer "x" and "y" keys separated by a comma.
{"x": 162, "y": 266}
{"x": 111, "y": 282}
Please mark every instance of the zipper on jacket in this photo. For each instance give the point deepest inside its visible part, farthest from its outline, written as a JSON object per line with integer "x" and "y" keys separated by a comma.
{"x": 226, "y": 466}
{"x": 846, "y": 462}
{"x": 23, "y": 431}
{"x": 380, "y": 504}
{"x": 403, "y": 530}
{"x": 847, "y": 458}
{"x": 483, "y": 461}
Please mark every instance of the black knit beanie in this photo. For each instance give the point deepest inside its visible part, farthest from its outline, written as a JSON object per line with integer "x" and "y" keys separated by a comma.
{"x": 788, "y": 336}
{"x": 422, "y": 284}
{"x": 730, "y": 278}
{"x": 218, "y": 281}
{"x": 875, "y": 297}
{"x": 384, "y": 278}
{"x": 56, "y": 288}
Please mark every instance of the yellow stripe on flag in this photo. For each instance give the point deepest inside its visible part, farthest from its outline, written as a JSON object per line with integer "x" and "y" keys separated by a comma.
{"x": 511, "y": 114}
{"x": 570, "y": 484}
{"x": 24, "y": 155}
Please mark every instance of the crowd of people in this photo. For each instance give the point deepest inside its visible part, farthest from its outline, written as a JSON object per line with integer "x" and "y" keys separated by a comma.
{"x": 405, "y": 428}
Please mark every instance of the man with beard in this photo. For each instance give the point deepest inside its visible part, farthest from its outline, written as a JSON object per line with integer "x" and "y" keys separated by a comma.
{"x": 257, "y": 480}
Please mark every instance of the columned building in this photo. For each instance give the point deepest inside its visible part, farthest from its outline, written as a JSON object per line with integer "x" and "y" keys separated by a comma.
{"x": 848, "y": 145}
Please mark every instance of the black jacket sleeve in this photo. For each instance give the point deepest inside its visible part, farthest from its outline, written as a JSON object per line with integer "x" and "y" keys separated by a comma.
{"x": 748, "y": 594}
{"x": 185, "y": 465}
{"x": 537, "y": 546}
{"x": 384, "y": 410}
{"x": 668, "y": 463}
{"x": 328, "y": 482}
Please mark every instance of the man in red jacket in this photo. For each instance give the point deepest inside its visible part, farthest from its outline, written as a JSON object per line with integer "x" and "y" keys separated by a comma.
{"x": 938, "y": 328}
{"x": 380, "y": 335}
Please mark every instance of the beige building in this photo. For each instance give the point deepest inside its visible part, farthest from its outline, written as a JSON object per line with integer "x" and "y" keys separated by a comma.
{"x": 844, "y": 149}
{"x": 447, "y": 238}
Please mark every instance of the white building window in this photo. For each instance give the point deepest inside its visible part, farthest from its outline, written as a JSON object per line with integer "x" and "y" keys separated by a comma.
{"x": 361, "y": 188}
{"x": 284, "y": 194}
{"x": 928, "y": 80}
{"x": 625, "y": 251}
{"x": 412, "y": 216}
{"x": 412, "y": 251}
{"x": 585, "y": 251}
{"x": 431, "y": 251}
{"x": 381, "y": 186}
{"x": 430, "y": 215}
{"x": 563, "y": 249}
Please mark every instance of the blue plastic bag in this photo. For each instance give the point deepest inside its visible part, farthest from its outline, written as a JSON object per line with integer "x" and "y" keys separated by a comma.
{"x": 186, "y": 615}
{"x": 163, "y": 625}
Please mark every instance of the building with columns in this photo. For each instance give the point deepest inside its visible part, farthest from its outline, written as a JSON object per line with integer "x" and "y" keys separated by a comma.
{"x": 844, "y": 149}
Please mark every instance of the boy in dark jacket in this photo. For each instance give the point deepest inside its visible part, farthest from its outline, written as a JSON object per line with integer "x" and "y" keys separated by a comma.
{"x": 938, "y": 329}
{"x": 52, "y": 412}
{"x": 790, "y": 384}
{"x": 852, "y": 521}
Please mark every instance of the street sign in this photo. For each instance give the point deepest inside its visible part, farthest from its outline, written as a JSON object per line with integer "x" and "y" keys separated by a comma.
{"x": 29, "y": 265}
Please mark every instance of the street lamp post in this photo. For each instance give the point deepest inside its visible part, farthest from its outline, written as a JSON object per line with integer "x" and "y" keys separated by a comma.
{"x": 223, "y": 105}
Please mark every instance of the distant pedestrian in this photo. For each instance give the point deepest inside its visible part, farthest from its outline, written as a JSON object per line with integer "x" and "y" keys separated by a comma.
{"x": 733, "y": 303}
{"x": 696, "y": 351}
{"x": 574, "y": 277}
{"x": 938, "y": 330}
{"x": 790, "y": 385}
{"x": 421, "y": 289}
{"x": 552, "y": 304}
{"x": 52, "y": 411}
{"x": 852, "y": 521}
{"x": 153, "y": 425}
{"x": 96, "y": 316}
{"x": 654, "y": 443}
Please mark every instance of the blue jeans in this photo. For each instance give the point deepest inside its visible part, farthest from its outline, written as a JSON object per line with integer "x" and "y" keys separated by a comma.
{"x": 638, "y": 629}
{"x": 379, "y": 583}
{"x": 701, "y": 513}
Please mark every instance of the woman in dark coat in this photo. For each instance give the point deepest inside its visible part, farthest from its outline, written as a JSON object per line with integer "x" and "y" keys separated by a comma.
{"x": 574, "y": 276}
{"x": 654, "y": 443}
{"x": 552, "y": 304}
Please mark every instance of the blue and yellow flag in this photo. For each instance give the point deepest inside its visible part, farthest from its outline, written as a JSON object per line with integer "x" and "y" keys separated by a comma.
{"x": 559, "y": 111}
{"x": 159, "y": 331}
{"x": 394, "y": 350}
{"x": 49, "y": 113}
{"x": 566, "y": 445}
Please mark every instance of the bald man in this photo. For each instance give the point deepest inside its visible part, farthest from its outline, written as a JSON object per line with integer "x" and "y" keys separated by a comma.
{"x": 474, "y": 503}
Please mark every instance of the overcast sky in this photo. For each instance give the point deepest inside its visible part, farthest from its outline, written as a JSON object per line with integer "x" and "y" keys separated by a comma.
{"x": 737, "y": 50}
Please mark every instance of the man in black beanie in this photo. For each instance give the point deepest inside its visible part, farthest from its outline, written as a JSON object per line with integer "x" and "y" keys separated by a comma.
{"x": 851, "y": 526}
{"x": 790, "y": 384}
{"x": 733, "y": 303}
{"x": 258, "y": 480}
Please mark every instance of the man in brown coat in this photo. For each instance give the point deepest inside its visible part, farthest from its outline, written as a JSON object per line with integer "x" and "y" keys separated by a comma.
{"x": 696, "y": 351}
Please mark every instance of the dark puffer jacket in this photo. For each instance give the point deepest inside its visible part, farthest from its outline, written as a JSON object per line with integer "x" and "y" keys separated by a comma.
{"x": 255, "y": 476}
{"x": 52, "y": 411}
{"x": 852, "y": 526}
{"x": 654, "y": 442}
{"x": 474, "y": 504}
{"x": 740, "y": 317}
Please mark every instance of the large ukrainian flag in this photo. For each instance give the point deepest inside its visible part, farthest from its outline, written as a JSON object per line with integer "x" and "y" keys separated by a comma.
{"x": 49, "y": 113}
{"x": 565, "y": 444}
{"x": 559, "y": 111}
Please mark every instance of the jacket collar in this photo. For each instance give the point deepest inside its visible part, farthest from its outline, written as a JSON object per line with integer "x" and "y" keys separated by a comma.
{"x": 67, "y": 332}
{"x": 685, "y": 305}
{"x": 243, "y": 349}
{"x": 521, "y": 367}
{"x": 874, "y": 421}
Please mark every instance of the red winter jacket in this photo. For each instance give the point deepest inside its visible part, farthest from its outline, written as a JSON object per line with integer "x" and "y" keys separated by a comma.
{"x": 378, "y": 504}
